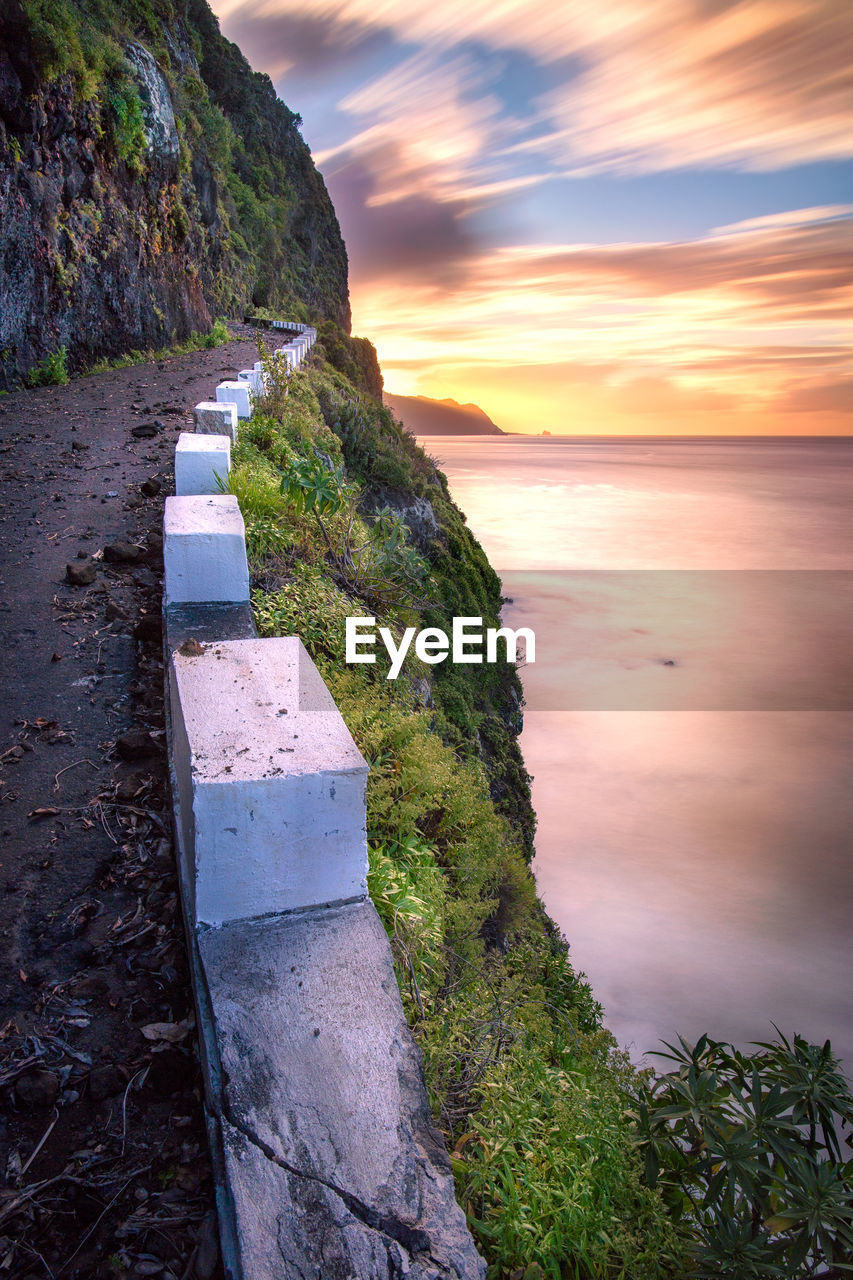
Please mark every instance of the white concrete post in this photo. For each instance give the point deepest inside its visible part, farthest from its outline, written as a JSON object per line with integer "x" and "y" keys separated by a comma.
{"x": 276, "y": 783}
{"x": 204, "y": 551}
{"x": 253, "y": 378}
{"x": 238, "y": 393}
{"x": 217, "y": 417}
{"x": 200, "y": 461}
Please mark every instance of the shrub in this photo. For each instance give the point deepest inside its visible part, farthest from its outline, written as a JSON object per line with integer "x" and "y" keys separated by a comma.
{"x": 308, "y": 605}
{"x": 128, "y": 126}
{"x": 54, "y": 31}
{"x": 218, "y": 335}
{"x": 746, "y": 1150}
{"x": 547, "y": 1171}
{"x": 51, "y": 371}
{"x": 256, "y": 489}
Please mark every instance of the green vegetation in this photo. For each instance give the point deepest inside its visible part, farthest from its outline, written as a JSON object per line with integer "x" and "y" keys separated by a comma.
{"x": 746, "y": 1149}
{"x": 216, "y": 337}
{"x": 128, "y": 125}
{"x": 52, "y": 371}
{"x": 248, "y": 197}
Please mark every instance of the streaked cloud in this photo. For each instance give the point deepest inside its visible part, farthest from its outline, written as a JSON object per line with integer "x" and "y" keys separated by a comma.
{"x": 655, "y": 85}
{"x": 433, "y": 130}
{"x": 796, "y": 217}
{"x": 748, "y": 323}
{"x": 460, "y": 144}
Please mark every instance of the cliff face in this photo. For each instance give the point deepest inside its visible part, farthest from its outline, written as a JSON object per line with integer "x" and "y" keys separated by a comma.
{"x": 149, "y": 181}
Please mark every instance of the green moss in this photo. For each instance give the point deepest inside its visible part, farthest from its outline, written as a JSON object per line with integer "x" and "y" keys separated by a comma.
{"x": 128, "y": 126}
{"x": 54, "y": 29}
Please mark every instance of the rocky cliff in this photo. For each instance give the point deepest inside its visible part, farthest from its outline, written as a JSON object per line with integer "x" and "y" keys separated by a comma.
{"x": 149, "y": 181}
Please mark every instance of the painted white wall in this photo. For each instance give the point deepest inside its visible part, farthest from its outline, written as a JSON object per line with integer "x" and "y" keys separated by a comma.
{"x": 204, "y": 550}
{"x": 200, "y": 460}
{"x": 239, "y": 393}
{"x": 278, "y": 785}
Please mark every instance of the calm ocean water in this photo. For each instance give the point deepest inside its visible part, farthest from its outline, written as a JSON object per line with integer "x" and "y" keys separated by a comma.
{"x": 689, "y": 722}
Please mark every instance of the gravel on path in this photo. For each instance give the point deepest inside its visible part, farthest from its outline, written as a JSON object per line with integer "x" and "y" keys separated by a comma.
{"x": 104, "y": 1169}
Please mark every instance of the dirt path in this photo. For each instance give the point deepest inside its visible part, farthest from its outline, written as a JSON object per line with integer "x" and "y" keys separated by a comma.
{"x": 103, "y": 1152}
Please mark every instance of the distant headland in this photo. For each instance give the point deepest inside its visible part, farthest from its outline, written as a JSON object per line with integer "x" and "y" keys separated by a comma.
{"x": 425, "y": 417}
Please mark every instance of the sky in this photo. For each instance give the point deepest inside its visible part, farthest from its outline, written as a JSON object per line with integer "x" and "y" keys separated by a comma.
{"x": 595, "y": 216}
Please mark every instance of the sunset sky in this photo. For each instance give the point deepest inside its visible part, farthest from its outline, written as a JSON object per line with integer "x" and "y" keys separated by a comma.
{"x": 595, "y": 216}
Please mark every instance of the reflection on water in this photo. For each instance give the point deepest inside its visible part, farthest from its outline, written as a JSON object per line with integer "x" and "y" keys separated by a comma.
{"x": 698, "y": 860}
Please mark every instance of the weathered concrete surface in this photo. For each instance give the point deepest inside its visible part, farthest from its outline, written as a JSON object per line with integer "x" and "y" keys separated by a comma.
{"x": 218, "y": 417}
{"x": 201, "y": 462}
{"x": 272, "y": 778}
{"x": 334, "y": 1167}
{"x": 236, "y": 392}
{"x": 204, "y": 550}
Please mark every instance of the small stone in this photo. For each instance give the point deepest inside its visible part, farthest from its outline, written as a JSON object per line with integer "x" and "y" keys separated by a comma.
{"x": 207, "y": 1254}
{"x": 81, "y": 575}
{"x": 114, "y": 612}
{"x": 104, "y": 1082}
{"x": 78, "y": 445}
{"x": 148, "y": 1267}
{"x": 129, "y": 788}
{"x": 151, "y": 487}
{"x": 191, "y": 648}
{"x": 145, "y": 431}
{"x": 149, "y": 628}
{"x": 136, "y": 745}
{"x": 122, "y": 553}
{"x": 38, "y": 1089}
{"x": 134, "y": 502}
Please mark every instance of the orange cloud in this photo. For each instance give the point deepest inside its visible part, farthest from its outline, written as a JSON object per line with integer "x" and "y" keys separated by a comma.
{"x": 743, "y": 326}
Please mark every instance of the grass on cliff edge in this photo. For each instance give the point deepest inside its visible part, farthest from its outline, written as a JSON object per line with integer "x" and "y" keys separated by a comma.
{"x": 528, "y": 1089}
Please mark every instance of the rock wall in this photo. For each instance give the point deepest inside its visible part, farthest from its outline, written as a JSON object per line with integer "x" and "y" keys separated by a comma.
{"x": 147, "y": 185}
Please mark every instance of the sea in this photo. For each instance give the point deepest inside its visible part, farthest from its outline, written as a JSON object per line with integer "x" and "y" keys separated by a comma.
{"x": 689, "y": 717}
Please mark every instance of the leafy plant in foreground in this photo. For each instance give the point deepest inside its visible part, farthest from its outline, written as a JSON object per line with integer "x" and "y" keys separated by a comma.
{"x": 377, "y": 563}
{"x": 52, "y": 371}
{"x": 746, "y": 1148}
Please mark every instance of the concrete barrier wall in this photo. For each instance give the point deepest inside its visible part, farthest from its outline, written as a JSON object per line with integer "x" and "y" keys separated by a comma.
{"x": 325, "y": 1157}
{"x": 277, "y": 785}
